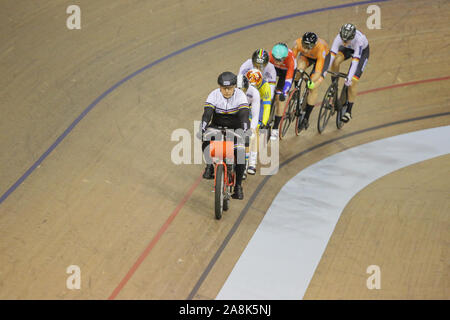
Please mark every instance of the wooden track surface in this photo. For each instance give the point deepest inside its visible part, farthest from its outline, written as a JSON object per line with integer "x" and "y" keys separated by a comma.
{"x": 107, "y": 197}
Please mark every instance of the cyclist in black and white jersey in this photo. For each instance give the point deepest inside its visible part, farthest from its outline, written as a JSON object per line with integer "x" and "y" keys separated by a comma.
{"x": 228, "y": 107}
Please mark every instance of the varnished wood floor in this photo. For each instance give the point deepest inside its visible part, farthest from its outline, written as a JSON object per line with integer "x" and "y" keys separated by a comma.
{"x": 106, "y": 196}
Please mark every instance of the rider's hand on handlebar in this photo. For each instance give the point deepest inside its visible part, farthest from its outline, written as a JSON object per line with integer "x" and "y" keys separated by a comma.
{"x": 348, "y": 82}
{"x": 201, "y": 130}
{"x": 282, "y": 97}
{"x": 311, "y": 85}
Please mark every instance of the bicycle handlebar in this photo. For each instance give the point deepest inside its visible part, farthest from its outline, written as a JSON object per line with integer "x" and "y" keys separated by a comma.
{"x": 338, "y": 74}
{"x": 303, "y": 73}
{"x": 212, "y": 131}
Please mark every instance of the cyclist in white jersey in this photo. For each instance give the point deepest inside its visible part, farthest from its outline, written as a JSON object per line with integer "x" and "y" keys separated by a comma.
{"x": 254, "y": 99}
{"x": 349, "y": 43}
{"x": 260, "y": 61}
{"x": 228, "y": 107}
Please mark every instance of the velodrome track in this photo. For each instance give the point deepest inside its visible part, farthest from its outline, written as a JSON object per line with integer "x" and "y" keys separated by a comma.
{"x": 85, "y": 171}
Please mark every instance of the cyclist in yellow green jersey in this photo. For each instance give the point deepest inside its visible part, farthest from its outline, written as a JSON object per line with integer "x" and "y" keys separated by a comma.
{"x": 255, "y": 78}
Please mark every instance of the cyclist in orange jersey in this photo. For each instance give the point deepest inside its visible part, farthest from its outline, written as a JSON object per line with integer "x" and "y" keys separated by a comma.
{"x": 311, "y": 50}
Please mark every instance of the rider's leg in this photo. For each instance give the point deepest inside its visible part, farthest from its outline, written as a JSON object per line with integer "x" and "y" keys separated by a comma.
{"x": 312, "y": 97}
{"x": 279, "y": 105}
{"x": 317, "y": 79}
{"x": 302, "y": 64}
{"x": 352, "y": 92}
{"x": 253, "y": 153}
{"x": 240, "y": 169}
{"x": 337, "y": 63}
{"x": 279, "y": 111}
{"x": 279, "y": 108}
{"x": 353, "y": 89}
{"x": 209, "y": 170}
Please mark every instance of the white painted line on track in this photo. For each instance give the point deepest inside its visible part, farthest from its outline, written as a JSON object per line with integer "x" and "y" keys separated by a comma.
{"x": 280, "y": 259}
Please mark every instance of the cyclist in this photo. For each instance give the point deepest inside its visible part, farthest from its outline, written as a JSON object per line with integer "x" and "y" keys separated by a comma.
{"x": 284, "y": 61}
{"x": 253, "y": 99}
{"x": 226, "y": 106}
{"x": 255, "y": 78}
{"x": 313, "y": 51}
{"x": 350, "y": 43}
{"x": 260, "y": 61}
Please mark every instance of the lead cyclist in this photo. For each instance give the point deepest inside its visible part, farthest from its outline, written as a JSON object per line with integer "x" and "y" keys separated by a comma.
{"x": 350, "y": 43}
{"x": 228, "y": 107}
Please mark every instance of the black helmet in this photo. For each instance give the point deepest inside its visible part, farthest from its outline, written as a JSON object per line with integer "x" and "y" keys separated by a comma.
{"x": 242, "y": 82}
{"x": 227, "y": 78}
{"x": 260, "y": 56}
{"x": 309, "y": 40}
{"x": 347, "y": 32}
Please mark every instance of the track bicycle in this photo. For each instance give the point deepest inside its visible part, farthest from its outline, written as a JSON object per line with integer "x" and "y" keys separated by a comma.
{"x": 294, "y": 109}
{"x": 222, "y": 154}
{"x": 331, "y": 104}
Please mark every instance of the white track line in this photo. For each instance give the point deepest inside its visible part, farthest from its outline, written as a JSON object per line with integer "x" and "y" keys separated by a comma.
{"x": 280, "y": 259}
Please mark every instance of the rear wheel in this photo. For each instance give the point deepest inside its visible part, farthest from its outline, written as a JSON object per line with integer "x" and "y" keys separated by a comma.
{"x": 289, "y": 113}
{"x": 326, "y": 108}
{"x": 268, "y": 130}
{"x": 219, "y": 192}
{"x": 226, "y": 200}
{"x": 343, "y": 107}
{"x": 300, "y": 117}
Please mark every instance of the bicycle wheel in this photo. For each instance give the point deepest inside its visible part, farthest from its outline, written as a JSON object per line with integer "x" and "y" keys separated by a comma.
{"x": 289, "y": 113}
{"x": 301, "y": 115}
{"x": 268, "y": 130}
{"x": 326, "y": 108}
{"x": 226, "y": 199}
{"x": 342, "y": 107}
{"x": 219, "y": 192}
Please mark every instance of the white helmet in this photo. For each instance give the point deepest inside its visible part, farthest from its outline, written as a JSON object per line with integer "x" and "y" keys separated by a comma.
{"x": 242, "y": 81}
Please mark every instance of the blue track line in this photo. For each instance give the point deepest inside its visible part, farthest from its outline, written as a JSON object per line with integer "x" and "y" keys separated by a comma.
{"x": 171, "y": 55}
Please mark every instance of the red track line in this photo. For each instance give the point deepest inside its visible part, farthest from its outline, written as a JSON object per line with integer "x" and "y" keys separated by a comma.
{"x": 155, "y": 239}
{"x": 197, "y": 182}
{"x": 403, "y": 85}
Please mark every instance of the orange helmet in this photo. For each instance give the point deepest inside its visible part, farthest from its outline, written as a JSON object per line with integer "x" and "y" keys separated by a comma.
{"x": 255, "y": 77}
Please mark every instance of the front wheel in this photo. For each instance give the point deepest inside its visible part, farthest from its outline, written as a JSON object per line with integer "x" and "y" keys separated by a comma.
{"x": 219, "y": 192}
{"x": 302, "y": 114}
{"x": 289, "y": 113}
{"x": 326, "y": 109}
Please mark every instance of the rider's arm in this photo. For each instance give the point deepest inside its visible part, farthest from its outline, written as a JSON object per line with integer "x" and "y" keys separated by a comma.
{"x": 334, "y": 50}
{"x": 320, "y": 61}
{"x": 243, "y": 109}
{"x": 245, "y": 66}
{"x": 295, "y": 49}
{"x": 272, "y": 90}
{"x": 271, "y": 74}
{"x": 244, "y": 114}
{"x": 291, "y": 64}
{"x": 255, "y": 107}
{"x": 355, "y": 61}
{"x": 266, "y": 100}
{"x": 208, "y": 113}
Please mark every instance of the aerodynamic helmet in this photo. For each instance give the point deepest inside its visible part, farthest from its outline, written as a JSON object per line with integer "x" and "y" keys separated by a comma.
{"x": 227, "y": 78}
{"x": 347, "y": 32}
